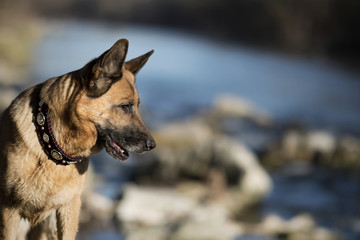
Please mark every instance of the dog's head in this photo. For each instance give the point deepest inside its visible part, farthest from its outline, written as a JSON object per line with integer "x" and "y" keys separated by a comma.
{"x": 110, "y": 102}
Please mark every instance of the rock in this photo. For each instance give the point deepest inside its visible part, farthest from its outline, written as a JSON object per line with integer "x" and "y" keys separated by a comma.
{"x": 300, "y": 236}
{"x": 287, "y": 148}
{"x": 207, "y": 231}
{"x": 193, "y": 149}
{"x": 325, "y": 234}
{"x": 168, "y": 214}
{"x": 255, "y": 181}
{"x": 301, "y": 223}
{"x": 194, "y": 190}
{"x": 152, "y": 206}
{"x": 348, "y": 151}
{"x": 144, "y": 233}
{"x": 320, "y": 141}
{"x": 313, "y": 147}
{"x": 307, "y": 145}
{"x": 190, "y": 150}
{"x": 292, "y": 144}
{"x": 235, "y": 106}
{"x": 183, "y": 147}
{"x": 273, "y": 225}
{"x": 300, "y": 227}
{"x": 96, "y": 206}
{"x": 208, "y": 222}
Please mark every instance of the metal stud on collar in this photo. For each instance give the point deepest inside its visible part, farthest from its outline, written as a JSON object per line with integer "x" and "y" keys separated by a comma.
{"x": 40, "y": 119}
{"x": 56, "y": 154}
{"x": 46, "y": 138}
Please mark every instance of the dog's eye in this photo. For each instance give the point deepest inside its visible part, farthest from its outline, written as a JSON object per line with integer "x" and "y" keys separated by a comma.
{"x": 126, "y": 107}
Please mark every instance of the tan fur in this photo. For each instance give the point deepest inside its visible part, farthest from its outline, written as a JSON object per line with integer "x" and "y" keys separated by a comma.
{"x": 33, "y": 187}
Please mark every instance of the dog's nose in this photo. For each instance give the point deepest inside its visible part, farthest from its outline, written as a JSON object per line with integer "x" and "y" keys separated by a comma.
{"x": 150, "y": 144}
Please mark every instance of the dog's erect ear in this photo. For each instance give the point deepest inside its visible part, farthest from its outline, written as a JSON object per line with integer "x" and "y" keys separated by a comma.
{"x": 111, "y": 62}
{"x": 108, "y": 68}
{"x": 136, "y": 64}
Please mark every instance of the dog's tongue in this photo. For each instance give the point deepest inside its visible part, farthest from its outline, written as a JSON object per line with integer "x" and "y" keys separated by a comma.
{"x": 118, "y": 148}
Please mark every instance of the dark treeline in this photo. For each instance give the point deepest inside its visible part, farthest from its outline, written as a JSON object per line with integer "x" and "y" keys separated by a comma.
{"x": 322, "y": 28}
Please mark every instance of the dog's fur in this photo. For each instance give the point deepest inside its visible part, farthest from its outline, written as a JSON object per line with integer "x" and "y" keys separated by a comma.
{"x": 91, "y": 108}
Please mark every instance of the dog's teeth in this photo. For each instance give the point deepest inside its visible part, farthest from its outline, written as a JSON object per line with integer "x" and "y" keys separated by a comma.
{"x": 118, "y": 147}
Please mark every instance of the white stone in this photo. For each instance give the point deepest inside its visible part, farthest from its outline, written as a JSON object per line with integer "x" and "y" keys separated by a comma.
{"x": 324, "y": 234}
{"x": 95, "y": 205}
{"x": 272, "y": 225}
{"x": 292, "y": 143}
{"x": 148, "y": 233}
{"x": 152, "y": 206}
{"x": 301, "y": 223}
{"x": 208, "y": 222}
{"x": 256, "y": 181}
{"x": 235, "y": 106}
{"x": 321, "y": 141}
{"x": 207, "y": 231}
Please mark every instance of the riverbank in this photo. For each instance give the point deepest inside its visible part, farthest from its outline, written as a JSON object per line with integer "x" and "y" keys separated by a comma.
{"x": 254, "y": 144}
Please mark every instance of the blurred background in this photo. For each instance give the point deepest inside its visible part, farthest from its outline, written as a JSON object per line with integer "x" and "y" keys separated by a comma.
{"x": 254, "y": 106}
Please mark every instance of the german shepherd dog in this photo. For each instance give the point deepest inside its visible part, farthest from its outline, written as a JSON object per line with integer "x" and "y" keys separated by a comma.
{"x": 49, "y": 131}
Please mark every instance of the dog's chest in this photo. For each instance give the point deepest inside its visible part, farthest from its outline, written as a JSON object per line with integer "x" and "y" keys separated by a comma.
{"x": 47, "y": 188}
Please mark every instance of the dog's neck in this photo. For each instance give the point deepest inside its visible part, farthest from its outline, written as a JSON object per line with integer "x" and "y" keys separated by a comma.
{"x": 47, "y": 139}
{"x": 76, "y": 136}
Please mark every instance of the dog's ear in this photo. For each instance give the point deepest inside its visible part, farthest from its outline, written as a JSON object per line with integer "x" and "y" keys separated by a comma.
{"x": 136, "y": 64}
{"x": 107, "y": 69}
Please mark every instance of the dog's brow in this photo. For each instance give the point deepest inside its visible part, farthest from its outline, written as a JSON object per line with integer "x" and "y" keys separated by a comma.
{"x": 128, "y": 100}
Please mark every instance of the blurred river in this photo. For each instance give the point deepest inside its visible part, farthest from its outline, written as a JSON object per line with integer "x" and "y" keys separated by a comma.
{"x": 187, "y": 72}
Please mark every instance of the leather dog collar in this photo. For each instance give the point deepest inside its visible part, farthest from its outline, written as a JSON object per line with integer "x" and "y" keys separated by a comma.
{"x": 47, "y": 139}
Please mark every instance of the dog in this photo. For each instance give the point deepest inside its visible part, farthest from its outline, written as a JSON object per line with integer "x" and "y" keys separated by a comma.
{"x": 49, "y": 131}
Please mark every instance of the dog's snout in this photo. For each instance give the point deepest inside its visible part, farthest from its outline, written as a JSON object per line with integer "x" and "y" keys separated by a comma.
{"x": 150, "y": 144}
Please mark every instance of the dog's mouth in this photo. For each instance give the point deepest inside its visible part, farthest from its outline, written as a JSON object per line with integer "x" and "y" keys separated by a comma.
{"x": 118, "y": 144}
{"x": 115, "y": 150}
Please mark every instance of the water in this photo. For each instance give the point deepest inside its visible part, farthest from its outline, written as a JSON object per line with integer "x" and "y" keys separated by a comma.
{"x": 186, "y": 73}
{"x": 331, "y": 197}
